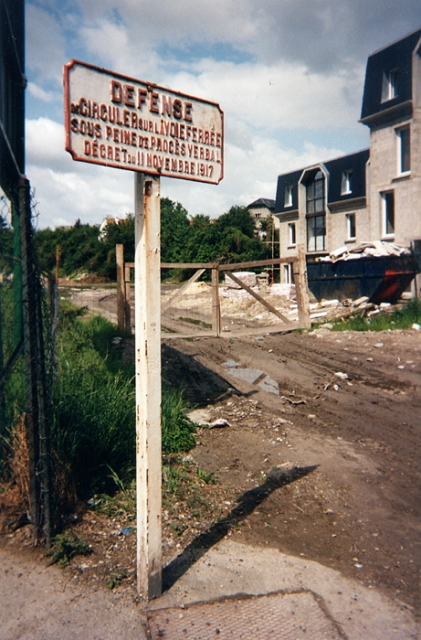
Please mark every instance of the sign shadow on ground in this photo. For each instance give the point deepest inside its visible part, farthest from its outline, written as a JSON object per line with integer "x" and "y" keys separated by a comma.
{"x": 246, "y": 504}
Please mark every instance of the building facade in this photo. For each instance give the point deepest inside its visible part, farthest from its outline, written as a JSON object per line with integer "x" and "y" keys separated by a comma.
{"x": 373, "y": 194}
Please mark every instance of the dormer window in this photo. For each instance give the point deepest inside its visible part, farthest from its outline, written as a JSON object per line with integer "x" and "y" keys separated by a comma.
{"x": 346, "y": 185}
{"x": 288, "y": 196}
{"x": 390, "y": 85}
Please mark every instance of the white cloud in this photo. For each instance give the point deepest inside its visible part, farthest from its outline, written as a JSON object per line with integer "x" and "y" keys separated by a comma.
{"x": 39, "y": 93}
{"x": 282, "y": 96}
{"x": 45, "y": 44}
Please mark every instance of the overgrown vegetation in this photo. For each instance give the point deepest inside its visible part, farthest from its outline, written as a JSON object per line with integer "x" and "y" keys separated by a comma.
{"x": 401, "y": 318}
{"x": 93, "y": 418}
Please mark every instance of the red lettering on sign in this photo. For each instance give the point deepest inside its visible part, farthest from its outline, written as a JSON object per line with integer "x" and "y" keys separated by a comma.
{"x": 116, "y": 91}
{"x": 141, "y": 97}
{"x": 166, "y": 105}
{"x": 153, "y": 102}
{"x": 129, "y": 95}
{"x": 188, "y": 106}
{"x": 177, "y": 108}
{"x": 103, "y": 112}
{"x": 83, "y": 107}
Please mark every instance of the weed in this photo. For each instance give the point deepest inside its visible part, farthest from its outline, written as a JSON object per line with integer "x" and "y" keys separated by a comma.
{"x": 198, "y": 323}
{"x": 177, "y": 428}
{"x": 178, "y": 528}
{"x": 122, "y": 503}
{"x": 174, "y": 476}
{"x": 208, "y": 478}
{"x": 115, "y": 579}
{"x": 66, "y": 546}
{"x": 400, "y": 318}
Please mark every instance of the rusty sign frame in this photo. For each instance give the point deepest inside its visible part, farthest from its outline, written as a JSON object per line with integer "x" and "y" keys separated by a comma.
{"x": 140, "y": 126}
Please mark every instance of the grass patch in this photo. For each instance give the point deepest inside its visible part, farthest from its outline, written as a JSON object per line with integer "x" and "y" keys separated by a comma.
{"x": 197, "y": 323}
{"x": 177, "y": 428}
{"x": 66, "y": 546}
{"x": 400, "y": 318}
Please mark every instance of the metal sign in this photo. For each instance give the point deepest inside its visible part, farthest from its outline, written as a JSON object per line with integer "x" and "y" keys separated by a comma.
{"x": 116, "y": 121}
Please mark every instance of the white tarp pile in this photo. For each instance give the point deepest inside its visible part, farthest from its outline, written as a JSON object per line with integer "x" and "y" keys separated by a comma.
{"x": 374, "y": 249}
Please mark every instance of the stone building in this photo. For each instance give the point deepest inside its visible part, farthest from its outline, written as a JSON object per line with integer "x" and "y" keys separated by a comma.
{"x": 373, "y": 194}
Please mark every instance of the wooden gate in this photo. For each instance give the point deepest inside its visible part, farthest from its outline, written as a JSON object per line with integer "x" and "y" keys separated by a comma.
{"x": 179, "y": 329}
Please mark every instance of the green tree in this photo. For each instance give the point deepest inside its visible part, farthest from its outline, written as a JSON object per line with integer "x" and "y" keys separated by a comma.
{"x": 175, "y": 227}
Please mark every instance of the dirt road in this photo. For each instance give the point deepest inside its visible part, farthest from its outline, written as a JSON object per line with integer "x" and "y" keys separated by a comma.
{"x": 347, "y": 405}
{"x": 358, "y": 509}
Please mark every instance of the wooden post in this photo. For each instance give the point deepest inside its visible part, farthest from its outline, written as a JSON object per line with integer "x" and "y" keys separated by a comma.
{"x": 127, "y": 296}
{"x": 216, "y": 307}
{"x": 58, "y": 254}
{"x": 301, "y": 287}
{"x": 148, "y": 384}
{"x": 119, "y": 254}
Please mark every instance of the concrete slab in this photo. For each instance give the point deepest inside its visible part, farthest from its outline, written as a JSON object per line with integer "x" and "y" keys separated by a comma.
{"x": 233, "y": 569}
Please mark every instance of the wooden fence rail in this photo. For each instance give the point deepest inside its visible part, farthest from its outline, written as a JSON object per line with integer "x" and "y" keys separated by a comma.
{"x": 300, "y": 279}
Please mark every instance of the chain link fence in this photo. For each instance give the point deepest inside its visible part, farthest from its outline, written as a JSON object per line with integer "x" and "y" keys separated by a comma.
{"x": 28, "y": 317}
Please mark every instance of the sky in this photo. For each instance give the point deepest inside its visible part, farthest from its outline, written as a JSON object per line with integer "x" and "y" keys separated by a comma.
{"x": 288, "y": 75}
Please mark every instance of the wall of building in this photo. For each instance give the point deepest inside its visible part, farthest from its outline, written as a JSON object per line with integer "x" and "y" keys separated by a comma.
{"x": 385, "y": 177}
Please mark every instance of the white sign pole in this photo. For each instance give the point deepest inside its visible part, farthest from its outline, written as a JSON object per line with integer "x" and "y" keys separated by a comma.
{"x": 148, "y": 384}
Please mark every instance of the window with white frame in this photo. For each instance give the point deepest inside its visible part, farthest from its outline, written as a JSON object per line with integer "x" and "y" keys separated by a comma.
{"x": 288, "y": 277}
{"x": 351, "y": 226}
{"x": 346, "y": 184}
{"x": 388, "y": 213}
{"x": 404, "y": 149}
{"x": 288, "y": 196}
{"x": 292, "y": 234}
{"x": 390, "y": 85}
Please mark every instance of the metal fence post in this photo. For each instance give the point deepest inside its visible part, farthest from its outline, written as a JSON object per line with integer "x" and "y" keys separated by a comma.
{"x": 37, "y": 429}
